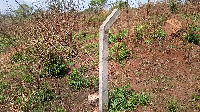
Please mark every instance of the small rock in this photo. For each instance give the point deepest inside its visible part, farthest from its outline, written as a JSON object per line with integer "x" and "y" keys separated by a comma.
{"x": 93, "y": 98}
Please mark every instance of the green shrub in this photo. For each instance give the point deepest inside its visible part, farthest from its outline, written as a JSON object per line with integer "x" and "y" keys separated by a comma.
{"x": 55, "y": 65}
{"x": 28, "y": 78}
{"x": 193, "y": 35}
{"x": 119, "y": 4}
{"x": 91, "y": 48}
{"x": 119, "y": 52}
{"x": 196, "y": 95}
{"x": 3, "y": 85}
{"x": 2, "y": 98}
{"x": 125, "y": 99}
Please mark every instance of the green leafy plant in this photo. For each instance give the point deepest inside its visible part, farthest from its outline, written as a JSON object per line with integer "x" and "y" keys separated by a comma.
{"x": 119, "y": 52}
{"x": 173, "y": 106}
{"x": 173, "y": 6}
{"x": 3, "y": 85}
{"x": 125, "y": 99}
{"x": 158, "y": 34}
{"x": 27, "y": 77}
{"x": 55, "y": 65}
{"x": 91, "y": 48}
{"x": 193, "y": 35}
{"x": 77, "y": 81}
{"x": 114, "y": 38}
{"x": 24, "y": 10}
{"x": 139, "y": 31}
{"x": 61, "y": 109}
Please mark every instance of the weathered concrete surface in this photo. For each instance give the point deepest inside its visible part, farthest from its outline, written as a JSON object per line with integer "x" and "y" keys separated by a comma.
{"x": 103, "y": 58}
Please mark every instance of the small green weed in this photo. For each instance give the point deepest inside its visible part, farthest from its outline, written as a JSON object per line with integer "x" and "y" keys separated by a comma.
{"x": 148, "y": 40}
{"x": 196, "y": 95}
{"x": 77, "y": 81}
{"x": 198, "y": 107}
{"x": 173, "y": 106}
{"x": 139, "y": 31}
{"x": 114, "y": 38}
{"x": 119, "y": 52}
{"x": 158, "y": 34}
{"x": 60, "y": 109}
{"x": 85, "y": 36}
{"x": 125, "y": 99}
{"x": 2, "y": 98}
{"x": 171, "y": 46}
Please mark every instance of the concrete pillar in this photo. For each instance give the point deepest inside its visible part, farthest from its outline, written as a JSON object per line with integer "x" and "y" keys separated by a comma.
{"x": 103, "y": 58}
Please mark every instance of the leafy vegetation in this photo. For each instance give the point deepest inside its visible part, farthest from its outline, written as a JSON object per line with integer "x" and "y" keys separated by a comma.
{"x": 174, "y": 106}
{"x": 55, "y": 66}
{"x": 119, "y": 52}
{"x": 158, "y": 34}
{"x": 3, "y": 87}
{"x": 139, "y": 31}
{"x": 91, "y": 48}
{"x": 23, "y": 10}
{"x": 193, "y": 35}
{"x": 19, "y": 57}
{"x": 77, "y": 81}
{"x": 125, "y": 99}
{"x": 118, "y": 37}
{"x": 119, "y": 4}
{"x": 196, "y": 98}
